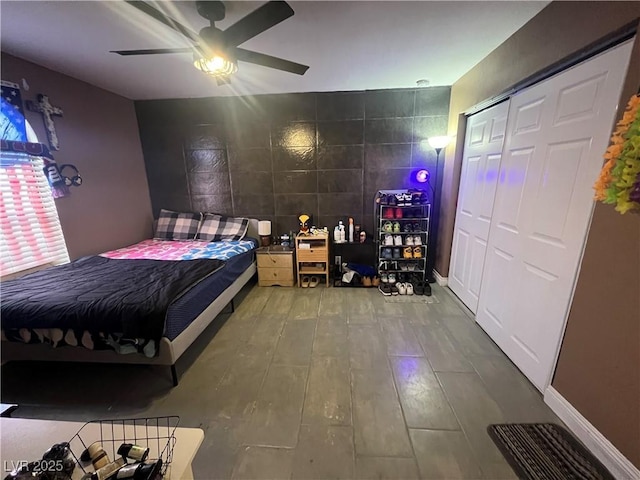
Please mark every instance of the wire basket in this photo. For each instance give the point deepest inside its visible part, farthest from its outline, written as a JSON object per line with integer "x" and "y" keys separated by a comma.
{"x": 156, "y": 433}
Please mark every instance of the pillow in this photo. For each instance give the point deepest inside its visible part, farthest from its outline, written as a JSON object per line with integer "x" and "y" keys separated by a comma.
{"x": 215, "y": 228}
{"x": 177, "y": 225}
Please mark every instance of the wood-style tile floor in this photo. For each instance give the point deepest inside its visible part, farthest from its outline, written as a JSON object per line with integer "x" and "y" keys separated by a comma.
{"x": 314, "y": 384}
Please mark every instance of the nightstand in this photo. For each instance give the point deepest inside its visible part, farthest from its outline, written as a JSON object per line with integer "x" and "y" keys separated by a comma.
{"x": 275, "y": 266}
{"x": 312, "y": 252}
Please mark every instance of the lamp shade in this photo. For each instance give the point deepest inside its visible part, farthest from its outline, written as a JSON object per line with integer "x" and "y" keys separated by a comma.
{"x": 439, "y": 142}
{"x": 264, "y": 228}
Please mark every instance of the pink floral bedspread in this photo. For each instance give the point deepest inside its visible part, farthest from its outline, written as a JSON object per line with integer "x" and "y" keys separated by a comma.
{"x": 156, "y": 250}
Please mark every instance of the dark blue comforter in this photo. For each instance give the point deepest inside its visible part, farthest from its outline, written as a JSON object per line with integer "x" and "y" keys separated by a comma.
{"x": 99, "y": 294}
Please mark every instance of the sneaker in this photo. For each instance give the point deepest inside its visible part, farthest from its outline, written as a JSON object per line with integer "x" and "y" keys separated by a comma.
{"x": 417, "y": 252}
{"x": 396, "y": 227}
{"x": 384, "y": 278}
{"x": 404, "y": 267}
{"x": 388, "y": 239}
{"x": 398, "y": 213}
{"x": 383, "y": 199}
{"x": 416, "y": 227}
{"x": 387, "y": 227}
{"x": 396, "y": 253}
{"x": 409, "y": 240}
{"x": 409, "y": 288}
{"x": 417, "y": 240}
{"x": 406, "y": 198}
{"x": 415, "y": 198}
{"x": 388, "y": 213}
{"x": 407, "y": 252}
{"x": 399, "y": 199}
{"x": 427, "y": 289}
{"x": 385, "y": 289}
{"x": 402, "y": 288}
{"x": 397, "y": 240}
{"x": 394, "y": 290}
{"x": 392, "y": 200}
{"x": 391, "y": 278}
{"x": 387, "y": 253}
{"x": 407, "y": 228}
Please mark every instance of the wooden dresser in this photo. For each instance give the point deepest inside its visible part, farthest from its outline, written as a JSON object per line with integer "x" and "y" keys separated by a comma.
{"x": 275, "y": 266}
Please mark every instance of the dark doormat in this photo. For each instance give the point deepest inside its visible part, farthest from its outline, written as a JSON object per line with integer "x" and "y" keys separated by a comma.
{"x": 538, "y": 451}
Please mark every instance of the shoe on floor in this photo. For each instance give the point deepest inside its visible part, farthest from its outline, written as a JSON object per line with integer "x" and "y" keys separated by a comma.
{"x": 314, "y": 281}
{"x": 304, "y": 283}
{"x": 402, "y": 288}
{"x": 427, "y": 289}
{"x": 394, "y": 289}
{"x": 385, "y": 289}
{"x": 409, "y": 286}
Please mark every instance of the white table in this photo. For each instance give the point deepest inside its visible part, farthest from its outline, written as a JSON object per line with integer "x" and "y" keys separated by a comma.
{"x": 22, "y": 439}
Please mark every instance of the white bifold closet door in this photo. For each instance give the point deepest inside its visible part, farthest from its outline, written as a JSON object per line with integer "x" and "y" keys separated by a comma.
{"x": 557, "y": 131}
{"x": 478, "y": 179}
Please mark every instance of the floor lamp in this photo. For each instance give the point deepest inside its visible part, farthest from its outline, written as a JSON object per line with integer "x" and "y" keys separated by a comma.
{"x": 437, "y": 143}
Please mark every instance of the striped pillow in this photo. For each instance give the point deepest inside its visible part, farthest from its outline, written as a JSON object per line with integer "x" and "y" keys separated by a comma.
{"x": 177, "y": 225}
{"x": 216, "y": 228}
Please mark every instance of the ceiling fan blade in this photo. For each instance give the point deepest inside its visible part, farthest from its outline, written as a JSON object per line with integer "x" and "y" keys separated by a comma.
{"x": 271, "y": 62}
{"x": 161, "y": 17}
{"x": 154, "y": 51}
{"x": 256, "y": 22}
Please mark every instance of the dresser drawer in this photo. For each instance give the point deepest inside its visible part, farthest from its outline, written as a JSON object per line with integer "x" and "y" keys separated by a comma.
{"x": 275, "y": 261}
{"x": 312, "y": 255}
{"x": 275, "y": 276}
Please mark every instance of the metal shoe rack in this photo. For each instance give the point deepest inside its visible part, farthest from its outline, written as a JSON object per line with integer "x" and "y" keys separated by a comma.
{"x": 406, "y": 214}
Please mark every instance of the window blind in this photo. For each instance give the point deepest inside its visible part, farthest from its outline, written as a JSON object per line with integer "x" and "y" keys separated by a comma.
{"x": 30, "y": 231}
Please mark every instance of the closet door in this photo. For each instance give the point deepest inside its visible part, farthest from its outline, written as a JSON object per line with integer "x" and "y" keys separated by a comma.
{"x": 556, "y": 134}
{"x": 478, "y": 179}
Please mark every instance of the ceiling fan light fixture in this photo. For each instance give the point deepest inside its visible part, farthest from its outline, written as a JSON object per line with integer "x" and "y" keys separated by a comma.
{"x": 215, "y": 65}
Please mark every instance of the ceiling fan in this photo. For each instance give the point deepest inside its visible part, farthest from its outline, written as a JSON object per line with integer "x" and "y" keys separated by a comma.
{"x": 216, "y": 52}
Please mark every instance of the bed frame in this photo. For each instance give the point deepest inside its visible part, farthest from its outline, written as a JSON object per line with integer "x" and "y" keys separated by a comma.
{"x": 169, "y": 351}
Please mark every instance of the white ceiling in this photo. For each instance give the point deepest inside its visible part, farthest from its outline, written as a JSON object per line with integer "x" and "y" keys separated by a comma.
{"x": 348, "y": 45}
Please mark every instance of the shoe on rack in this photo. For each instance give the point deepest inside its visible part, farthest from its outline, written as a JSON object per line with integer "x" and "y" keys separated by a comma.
{"x": 396, "y": 227}
{"x": 384, "y": 278}
{"x": 382, "y": 199}
{"x": 392, "y": 200}
{"x": 387, "y": 227}
{"x": 416, "y": 227}
{"x": 417, "y": 252}
{"x": 404, "y": 267}
{"x": 397, "y": 240}
{"x": 388, "y": 240}
{"x": 407, "y": 228}
{"x": 407, "y": 252}
{"x": 409, "y": 286}
{"x": 398, "y": 213}
{"x": 402, "y": 288}
{"x": 409, "y": 240}
{"x": 417, "y": 240}
{"x": 415, "y": 198}
{"x": 385, "y": 289}
{"x": 396, "y": 253}
{"x": 387, "y": 253}
{"x": 406, "y": 198}
{"x": 387, "y": 213}
{"x": 391, "y": 278}
{"x": 399, "y": 199}
{"x": 375, "y": 281}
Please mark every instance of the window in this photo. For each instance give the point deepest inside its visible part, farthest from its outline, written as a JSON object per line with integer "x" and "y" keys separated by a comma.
{"x": 30, "y": 231}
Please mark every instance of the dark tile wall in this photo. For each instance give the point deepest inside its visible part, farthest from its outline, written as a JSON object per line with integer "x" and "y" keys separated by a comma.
{"x": 276, "y": 156}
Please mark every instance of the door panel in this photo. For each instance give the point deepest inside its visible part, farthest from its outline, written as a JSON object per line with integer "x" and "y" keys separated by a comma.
{"x": 478, "y": 180}
{"x": 556, "y": 134}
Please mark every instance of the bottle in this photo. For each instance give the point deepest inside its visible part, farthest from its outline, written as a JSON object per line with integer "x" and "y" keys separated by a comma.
{"x": 96, "y": 454}
{"x": 134, "y": 452}
{"x": 350, "y": 230}
{"x": 140, "y": 471}
{"x": 108, "y": 470}
{"x": 336, "y": 234}
{"x": 341, "y": 237}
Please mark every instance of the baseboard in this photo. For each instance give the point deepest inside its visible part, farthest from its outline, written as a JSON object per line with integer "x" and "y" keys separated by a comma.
{"x": 440, "y": 280}
{"x": 589, "y": 435}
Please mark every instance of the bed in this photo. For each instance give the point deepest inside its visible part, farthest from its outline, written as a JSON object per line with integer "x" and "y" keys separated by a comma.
{"x": 211, "y": 272}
